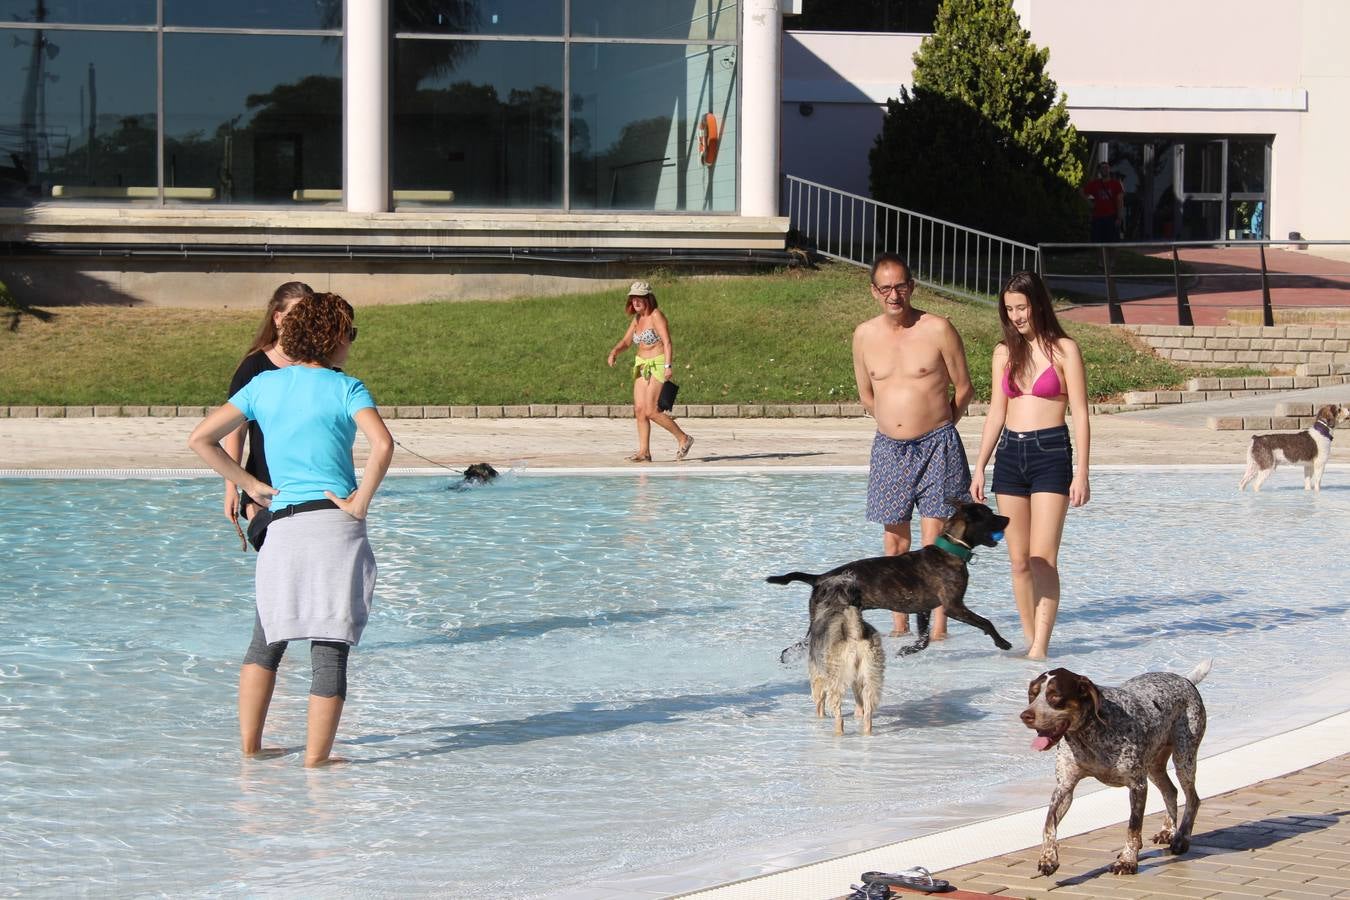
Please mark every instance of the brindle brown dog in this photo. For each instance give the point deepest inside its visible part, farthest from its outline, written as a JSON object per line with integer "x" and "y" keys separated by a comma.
{"x": 922, "y": 580}
{"x": 1121, "y": 736}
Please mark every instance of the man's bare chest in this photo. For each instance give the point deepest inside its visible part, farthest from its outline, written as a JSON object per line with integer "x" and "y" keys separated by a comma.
{"x": 904, "y": 361}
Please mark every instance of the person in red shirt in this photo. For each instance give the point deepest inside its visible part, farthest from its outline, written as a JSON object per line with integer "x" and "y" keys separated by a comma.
{"x": 1108, "y": 205}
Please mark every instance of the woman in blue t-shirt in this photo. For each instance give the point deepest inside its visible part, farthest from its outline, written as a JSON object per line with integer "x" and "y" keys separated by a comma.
{"x": 316, "y": 572}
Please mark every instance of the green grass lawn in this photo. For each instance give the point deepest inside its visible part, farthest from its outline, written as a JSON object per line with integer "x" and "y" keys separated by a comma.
{"x": 779, "y": 338}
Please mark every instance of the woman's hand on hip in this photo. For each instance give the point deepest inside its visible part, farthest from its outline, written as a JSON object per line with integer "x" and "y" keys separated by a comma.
{"x": 262, "y": 493}
{"x": 354, "y": 506}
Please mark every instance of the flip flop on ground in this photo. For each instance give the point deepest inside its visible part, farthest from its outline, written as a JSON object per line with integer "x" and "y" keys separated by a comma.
{"x": 916, "y": 878}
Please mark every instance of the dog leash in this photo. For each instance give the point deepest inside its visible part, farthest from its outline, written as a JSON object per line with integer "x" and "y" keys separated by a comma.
{"x": 421, "y": 457}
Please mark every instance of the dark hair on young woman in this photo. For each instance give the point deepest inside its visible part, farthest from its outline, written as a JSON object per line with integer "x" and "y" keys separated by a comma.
{"x": 281, "y": 298}
{"x": 315, "y": 327}
{"x": 1045, "y": 326}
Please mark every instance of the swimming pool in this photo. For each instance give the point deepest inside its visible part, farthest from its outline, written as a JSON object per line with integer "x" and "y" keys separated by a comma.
{"x": 570, "y": 678}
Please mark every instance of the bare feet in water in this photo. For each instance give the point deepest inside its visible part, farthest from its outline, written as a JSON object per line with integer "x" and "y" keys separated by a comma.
{"x": 325, "y": 763}
{"x": 267, "y": 753}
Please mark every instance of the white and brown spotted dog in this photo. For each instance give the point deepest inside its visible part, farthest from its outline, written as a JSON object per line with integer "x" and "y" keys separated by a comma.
{"x": 1310, "y": 449}
{"x": 844, "y": 651}
{"x": 1122, "y": 736}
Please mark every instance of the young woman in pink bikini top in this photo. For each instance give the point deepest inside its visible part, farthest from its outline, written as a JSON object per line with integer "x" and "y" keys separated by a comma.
{"x": 1038, "y": 377}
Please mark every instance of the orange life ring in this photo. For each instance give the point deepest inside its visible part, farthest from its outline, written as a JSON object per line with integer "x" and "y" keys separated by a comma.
{"x": 708, "y": 139}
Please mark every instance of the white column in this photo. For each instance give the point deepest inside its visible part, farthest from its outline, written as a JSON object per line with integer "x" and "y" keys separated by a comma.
{"x": 761, "y": 80}
{"x": 365, "y": 105}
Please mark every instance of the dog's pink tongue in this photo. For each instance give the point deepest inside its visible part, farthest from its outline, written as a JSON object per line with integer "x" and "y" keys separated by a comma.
{"x": 1041, "y": 743}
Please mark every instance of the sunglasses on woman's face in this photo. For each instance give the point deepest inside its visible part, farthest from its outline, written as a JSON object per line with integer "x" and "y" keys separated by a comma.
{"x": 351, "y": 335}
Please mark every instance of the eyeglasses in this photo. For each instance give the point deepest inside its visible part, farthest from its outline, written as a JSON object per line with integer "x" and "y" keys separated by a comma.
{"x": 902, "y": 288}
{"x": 351, "y": 334}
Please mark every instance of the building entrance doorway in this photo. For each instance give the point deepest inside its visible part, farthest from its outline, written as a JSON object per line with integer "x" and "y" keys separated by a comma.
{"x": 1190, "y": 187}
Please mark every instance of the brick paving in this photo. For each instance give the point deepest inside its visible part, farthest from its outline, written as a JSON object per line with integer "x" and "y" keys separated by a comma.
{"x": 1224, "y": 279}
{"x": 1288, "y": 837}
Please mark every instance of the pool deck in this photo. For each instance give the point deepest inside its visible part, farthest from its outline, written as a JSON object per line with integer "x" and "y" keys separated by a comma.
{"x": 1266, "y": 832}
{"x": 1283, "y": 837}
{"x": 161, "y": 443}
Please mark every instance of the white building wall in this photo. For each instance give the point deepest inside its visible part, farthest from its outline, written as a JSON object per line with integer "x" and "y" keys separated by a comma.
{"x": 835, "y": 86}
{"x": 1225, "y": 67}
{"x": 1323, "y": 182}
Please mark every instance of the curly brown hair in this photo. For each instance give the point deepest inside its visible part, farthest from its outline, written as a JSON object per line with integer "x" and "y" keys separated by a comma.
{"x": 315, "y": 327}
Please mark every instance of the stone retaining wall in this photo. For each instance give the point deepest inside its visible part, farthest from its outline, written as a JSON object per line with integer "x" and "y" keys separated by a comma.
{"x": 536, "y": 411}
{"x": 1275, "y": 347}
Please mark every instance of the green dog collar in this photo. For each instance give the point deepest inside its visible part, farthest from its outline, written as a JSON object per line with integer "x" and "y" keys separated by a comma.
{"x": 955, "y": 549}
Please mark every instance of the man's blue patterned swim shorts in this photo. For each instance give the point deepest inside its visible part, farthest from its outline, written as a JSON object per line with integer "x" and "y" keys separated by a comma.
{"x": 925, "y": 471}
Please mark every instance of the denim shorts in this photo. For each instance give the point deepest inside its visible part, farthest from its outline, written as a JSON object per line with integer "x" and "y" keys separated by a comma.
{"x": 1033, "y": 462}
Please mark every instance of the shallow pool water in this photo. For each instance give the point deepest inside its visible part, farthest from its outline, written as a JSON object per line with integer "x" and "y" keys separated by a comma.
{"x": 567, "y": 678}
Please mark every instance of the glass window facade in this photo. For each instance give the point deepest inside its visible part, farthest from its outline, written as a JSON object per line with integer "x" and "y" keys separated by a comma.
{"x": 77, "y": 120}
{"x": 79, "y": 12}
{"x": 251, "y": 134}
{"x": 253, "y": 14}
{"x": 516, "y": 17}
{"x": 631, "y": 106}
{"x": 531, "y": 104}
{"x": 636, "y": 117}
{"x": 660, "y": 19}
{"x": 478, "y": 123}
{"x": 1189, "y": 187}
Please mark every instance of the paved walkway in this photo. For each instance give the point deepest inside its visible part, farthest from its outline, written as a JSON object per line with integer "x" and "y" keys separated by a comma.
{"x": 1218, "y": 280}
{"x": 1195, "y": 415}
{"x": 1288, "y": 837}
{"x": 161, "y": 443}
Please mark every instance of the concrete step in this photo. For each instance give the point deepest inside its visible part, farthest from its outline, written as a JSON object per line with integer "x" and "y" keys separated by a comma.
{"x": 1301, "y": 410}
{"x": 1322, "y": 370}
{"x": 1280, "y": 421}
{"x": 1201, "y": 389}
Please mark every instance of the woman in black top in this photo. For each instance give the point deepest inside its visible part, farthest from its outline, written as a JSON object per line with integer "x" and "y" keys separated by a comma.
{"x": 263, "y": 356}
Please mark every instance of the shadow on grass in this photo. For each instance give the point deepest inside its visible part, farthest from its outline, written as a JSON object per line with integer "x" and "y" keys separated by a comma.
{"x": 12, "y": 310}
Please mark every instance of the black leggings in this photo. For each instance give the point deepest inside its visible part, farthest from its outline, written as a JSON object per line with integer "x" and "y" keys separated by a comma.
{"x": 328, "y": 659}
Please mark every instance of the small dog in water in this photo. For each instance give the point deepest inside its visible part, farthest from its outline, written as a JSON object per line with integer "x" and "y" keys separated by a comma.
{"x": 479, "y": 473}
{"x": 1121, "y": 736}
{"x": 474, "y": 475}
{"x": 843, "y": 651}
{"x": 921, "y": 580}
{"x": 1310, "y": 449}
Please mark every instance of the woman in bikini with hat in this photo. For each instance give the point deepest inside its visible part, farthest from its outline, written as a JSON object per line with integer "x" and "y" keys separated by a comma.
{"x": 1038, "y": 376}
{"x": 655, "y": 359}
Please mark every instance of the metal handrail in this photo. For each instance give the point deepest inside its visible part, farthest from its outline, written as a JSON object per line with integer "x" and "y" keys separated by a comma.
{"x": 945, "y": 255}
{"x": 1110, "y": 277}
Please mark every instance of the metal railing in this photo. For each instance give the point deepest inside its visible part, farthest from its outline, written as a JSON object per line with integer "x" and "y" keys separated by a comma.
{"x": 940, "y": 254}
{"x": 1230, "y": 273}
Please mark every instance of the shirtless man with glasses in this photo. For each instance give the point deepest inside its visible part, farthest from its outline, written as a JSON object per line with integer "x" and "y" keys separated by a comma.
{"x": 910, "y": 366}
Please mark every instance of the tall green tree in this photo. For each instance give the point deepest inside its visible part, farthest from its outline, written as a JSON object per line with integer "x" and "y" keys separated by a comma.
{"x": 984, "y": 138}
